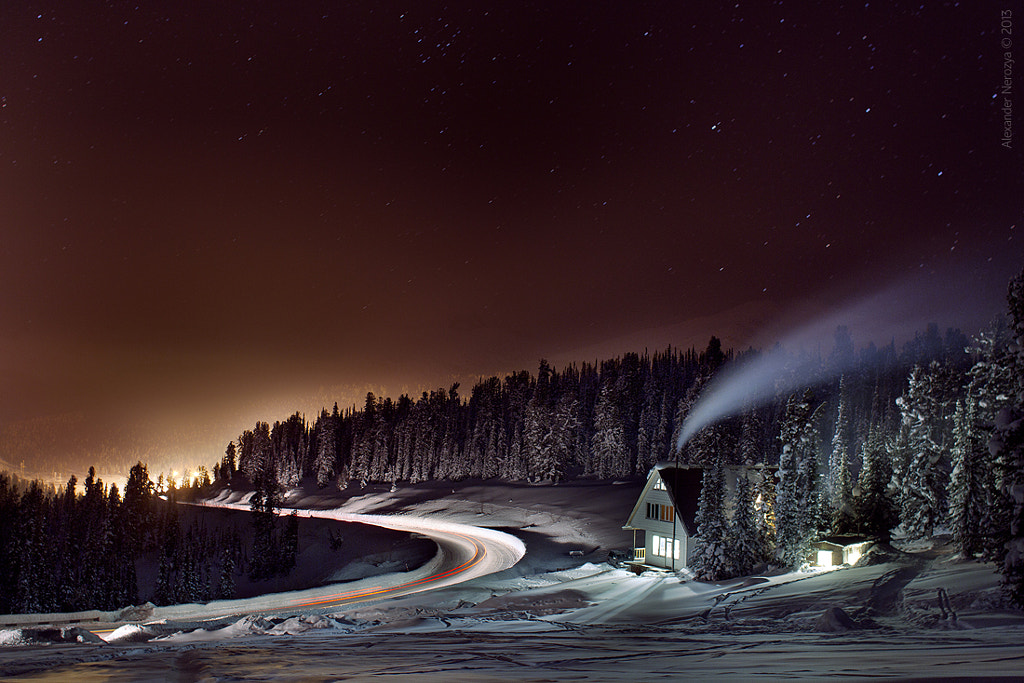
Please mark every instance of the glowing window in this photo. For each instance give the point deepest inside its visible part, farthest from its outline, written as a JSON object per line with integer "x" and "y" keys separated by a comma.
{"x": 656, "y": 544}
{"x": 824, "y": 558}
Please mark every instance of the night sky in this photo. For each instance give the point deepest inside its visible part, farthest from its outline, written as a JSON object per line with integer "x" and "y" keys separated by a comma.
{"x": 217, "y": 212}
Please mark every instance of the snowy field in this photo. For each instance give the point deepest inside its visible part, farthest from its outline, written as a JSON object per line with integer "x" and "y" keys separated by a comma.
{"x": 561, "y": 616}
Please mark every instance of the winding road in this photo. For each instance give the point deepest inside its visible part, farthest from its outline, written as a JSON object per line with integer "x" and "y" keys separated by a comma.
{"x": 465, "y": 552}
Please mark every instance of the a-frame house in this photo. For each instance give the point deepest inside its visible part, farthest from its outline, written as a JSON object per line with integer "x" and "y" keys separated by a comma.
{"x": 666, "y": 512}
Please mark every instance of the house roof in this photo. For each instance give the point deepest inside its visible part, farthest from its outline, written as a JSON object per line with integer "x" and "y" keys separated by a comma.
{"x": 683, "y": 486}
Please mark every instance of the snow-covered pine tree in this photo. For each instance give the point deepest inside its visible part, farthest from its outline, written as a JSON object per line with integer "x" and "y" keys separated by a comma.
{"x": 924, "y": 485}
{"x": 564, "y": 424}
{"x": 482, "y": 410}
{"x": 514, "y": 466}
{"x": 537, "y": 439}
{"x": 967, "y": 491}
{"x": 646, "y": 424}
{"x": 138, "y": 508}
{"x": 796, "y": 497}
{"x": 660, "y": 445}
{"x": 750, "y": 438}
{"x": 1007, "y": 446}
{"x": 839, "y": 480}
{"x": 165, "y": 583}
{"x": 711, "y": 552}
{"x": 288, "y": 474}
{"x": 876, "y": 512}
{"x": 405, "y": 448}
{"x": 993, "y": 381}
{"x": 228, "y": 463}
{"x": 326, "y": 449}
{"x": 496, "y": 452}
{"x": 226, "y": 583}
{"x": 381, "y": 437}
{"x": 746, "y": 544}
{"x": 189, "y": 579}
{"x": 608, "y": 445}
{"x": 653, "y": 425}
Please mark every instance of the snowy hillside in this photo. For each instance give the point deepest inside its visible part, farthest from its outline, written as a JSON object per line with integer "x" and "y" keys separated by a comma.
{"x": 562, "y": 615}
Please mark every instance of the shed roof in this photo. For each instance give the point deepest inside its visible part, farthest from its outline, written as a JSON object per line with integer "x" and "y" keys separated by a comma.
{"x": 842, "y": 541}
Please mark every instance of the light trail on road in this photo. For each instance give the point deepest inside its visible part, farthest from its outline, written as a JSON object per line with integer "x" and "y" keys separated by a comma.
{"x": 465, "y": 552}
{"x": 406, "y": 588}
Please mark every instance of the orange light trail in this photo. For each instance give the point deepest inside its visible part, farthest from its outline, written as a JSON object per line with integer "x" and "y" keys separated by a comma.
{"x": 356, "y": 596}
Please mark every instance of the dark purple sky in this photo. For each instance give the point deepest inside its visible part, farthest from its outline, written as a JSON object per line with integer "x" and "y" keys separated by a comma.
{"x": 213, "y": 212}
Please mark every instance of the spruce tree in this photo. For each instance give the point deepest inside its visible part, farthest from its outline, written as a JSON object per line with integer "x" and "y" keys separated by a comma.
{"x": 711, "y": 547}
{"x": 839, "y": 480}
{"x": 138, "y": 508}
{"x": 560, "y": 440}
{"x": 926, "y": 478}
{"x": 1007, "y": 446}
{"x": 228, "y": 464}
{"x": 226, "y": 583}
{"x": 967, "y": 492}
{"x": 537, "y": 438}
{"x": 165, "y": 582}
{"x": 994, "y": 380}
{"x": 746, "y": 544}
{"x": 797, "y": 496}
{"x": 609, "y": 441}
{"x": 876, "y": 513}
{"x": 750, "y": 449}
{"x": 325, "y": 449}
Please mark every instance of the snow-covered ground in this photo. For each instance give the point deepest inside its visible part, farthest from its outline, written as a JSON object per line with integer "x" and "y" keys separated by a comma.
{"x": 556, "y": 615}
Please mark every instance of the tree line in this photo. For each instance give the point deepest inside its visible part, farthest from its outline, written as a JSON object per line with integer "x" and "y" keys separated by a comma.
{"x": 612, "y": 419}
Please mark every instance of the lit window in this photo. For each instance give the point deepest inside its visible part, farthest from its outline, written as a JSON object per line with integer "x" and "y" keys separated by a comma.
{"x": 659, "y": 484}
{"x": 665, "y": 547}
